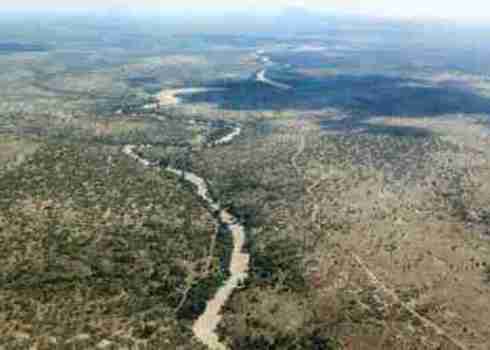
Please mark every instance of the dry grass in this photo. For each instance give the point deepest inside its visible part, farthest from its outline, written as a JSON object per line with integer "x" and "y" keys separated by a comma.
{"x": 412, "y": 209}
{"x": 117, "y": 127}
{"x": 14, "y": 147}
{"x": 413, "y": 234}
{"x": 14, "y": 150}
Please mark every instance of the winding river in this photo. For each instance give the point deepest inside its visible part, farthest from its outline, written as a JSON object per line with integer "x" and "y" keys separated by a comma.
{"x": 205, "y": 326}
{"x": 262, "y": 78}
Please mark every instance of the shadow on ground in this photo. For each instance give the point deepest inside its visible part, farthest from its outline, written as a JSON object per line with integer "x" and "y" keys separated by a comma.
{"x": 361, "y": 97}
{"x": 370, "y": 95}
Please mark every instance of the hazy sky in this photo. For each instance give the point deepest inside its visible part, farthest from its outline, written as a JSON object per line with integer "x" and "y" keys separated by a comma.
{"x": 447, "y": 9}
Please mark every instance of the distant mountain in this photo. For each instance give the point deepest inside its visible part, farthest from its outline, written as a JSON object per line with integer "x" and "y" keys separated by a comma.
{"x": 291, "y": 20}
{"x": 297, "y": 19}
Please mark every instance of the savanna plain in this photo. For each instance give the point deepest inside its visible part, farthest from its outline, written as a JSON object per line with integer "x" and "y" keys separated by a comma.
{"x": 325, "y": 190}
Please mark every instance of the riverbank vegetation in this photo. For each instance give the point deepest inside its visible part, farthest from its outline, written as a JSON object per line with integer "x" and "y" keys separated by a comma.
{"x": 97, "y": 251}
{"x": 338, "y": 235}
{"x": 364, "y": 189}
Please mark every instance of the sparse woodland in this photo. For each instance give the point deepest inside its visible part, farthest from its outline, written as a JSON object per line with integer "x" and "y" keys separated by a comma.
{"x": 360, "y": 206}
{"x": 367, "y": 215}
